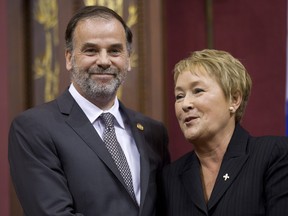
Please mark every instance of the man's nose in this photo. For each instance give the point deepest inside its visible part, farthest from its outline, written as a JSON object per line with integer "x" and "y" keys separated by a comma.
{"x": 103, "y": 60}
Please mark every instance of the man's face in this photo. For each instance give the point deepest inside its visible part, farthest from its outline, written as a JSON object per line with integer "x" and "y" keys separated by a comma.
{"x": 99, "y": 61}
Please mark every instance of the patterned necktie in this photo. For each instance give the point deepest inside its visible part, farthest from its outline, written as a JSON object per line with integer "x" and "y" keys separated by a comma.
{"x": 114, "y": 148}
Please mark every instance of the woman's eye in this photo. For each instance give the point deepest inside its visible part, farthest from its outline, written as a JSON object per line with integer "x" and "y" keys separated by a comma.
{"x": 178, "y": 97}
{"x": 197, "y": 90}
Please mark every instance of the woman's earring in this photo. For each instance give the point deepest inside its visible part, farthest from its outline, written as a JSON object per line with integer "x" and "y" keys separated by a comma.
{"x": 231, "y": 109}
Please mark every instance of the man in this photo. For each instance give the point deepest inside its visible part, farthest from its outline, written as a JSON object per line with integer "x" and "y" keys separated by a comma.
{"x": 60, "y": 159}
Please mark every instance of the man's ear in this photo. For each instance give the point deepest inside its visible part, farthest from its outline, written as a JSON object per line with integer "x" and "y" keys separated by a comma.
{"x": 129, "y": 63}
{"x": 68, "y": 58}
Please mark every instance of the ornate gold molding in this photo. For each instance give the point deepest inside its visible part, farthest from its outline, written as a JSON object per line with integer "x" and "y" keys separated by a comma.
{"x": 45, "y": 65}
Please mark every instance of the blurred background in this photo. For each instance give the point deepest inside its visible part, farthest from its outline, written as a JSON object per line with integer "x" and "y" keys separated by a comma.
{"x": 165, "y": 31}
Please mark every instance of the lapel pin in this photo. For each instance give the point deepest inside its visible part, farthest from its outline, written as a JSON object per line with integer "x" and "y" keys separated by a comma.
{"x": 140, "y": 127}
{"x": 226, "y": 176}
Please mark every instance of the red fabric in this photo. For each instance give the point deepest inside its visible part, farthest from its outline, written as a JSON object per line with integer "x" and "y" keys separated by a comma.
{"x": 4, "y": 176}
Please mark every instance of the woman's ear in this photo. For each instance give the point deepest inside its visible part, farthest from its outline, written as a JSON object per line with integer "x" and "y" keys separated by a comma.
{"x": 236, "y": 100}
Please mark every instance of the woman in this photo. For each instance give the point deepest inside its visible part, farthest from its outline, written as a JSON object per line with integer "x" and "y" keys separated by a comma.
{"x": 229, "y": 172}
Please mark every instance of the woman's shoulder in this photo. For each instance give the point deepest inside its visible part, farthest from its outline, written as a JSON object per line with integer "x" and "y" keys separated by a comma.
{"x": 269, "y": 147}
{"x": 270, "y": 141}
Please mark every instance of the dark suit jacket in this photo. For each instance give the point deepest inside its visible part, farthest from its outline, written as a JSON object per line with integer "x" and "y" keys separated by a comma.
{"x": 258, "y": 180}
{"x": 60, "y": 166}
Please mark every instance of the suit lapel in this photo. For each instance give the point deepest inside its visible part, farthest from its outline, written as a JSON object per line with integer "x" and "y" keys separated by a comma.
{"x": 78, "y": 121}
{"x": 233, "y": 161}
{"x": 191, "y": 180}
{"x": 138, "y": 134}
{"x": 144, "y": 164}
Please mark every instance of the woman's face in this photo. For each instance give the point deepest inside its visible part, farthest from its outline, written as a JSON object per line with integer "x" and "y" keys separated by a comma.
{"x": 201, "y": 107}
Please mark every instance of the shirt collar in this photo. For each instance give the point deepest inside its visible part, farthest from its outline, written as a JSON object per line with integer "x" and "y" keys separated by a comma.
{"x": 92, "y": 111}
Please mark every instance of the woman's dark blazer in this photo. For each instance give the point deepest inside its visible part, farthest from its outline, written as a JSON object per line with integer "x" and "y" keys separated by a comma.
{"x": 257, "y": 168}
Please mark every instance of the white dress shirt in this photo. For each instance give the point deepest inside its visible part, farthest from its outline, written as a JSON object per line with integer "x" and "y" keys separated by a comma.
{"x": 123, "y": 133}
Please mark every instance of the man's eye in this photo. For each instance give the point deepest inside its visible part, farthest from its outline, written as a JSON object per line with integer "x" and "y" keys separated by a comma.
{"x": 90, "y": 51}
{"x": 114, "y": 52}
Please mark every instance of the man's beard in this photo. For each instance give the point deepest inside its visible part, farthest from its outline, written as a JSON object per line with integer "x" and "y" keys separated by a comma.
{"x": 94, "y": 89}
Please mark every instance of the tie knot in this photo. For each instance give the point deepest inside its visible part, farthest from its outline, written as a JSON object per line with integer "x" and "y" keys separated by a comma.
{"x": 108, "y": 119}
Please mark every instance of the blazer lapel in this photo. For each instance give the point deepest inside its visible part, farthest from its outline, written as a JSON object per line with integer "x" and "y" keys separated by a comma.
{"x": 191, "y": 180}
{"x": 233, "y": 161}
{"x": 78, "y": 121}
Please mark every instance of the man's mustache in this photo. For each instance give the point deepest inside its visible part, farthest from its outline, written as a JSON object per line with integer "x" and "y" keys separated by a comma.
{"x": 110, "y": 71}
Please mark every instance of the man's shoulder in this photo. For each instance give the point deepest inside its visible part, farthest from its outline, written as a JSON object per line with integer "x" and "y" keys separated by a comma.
{"x": 34, "y": 114}
{"x": 40, "y": 111}
{"x": 140, "y": 117}
{"x": 46, "y": 107}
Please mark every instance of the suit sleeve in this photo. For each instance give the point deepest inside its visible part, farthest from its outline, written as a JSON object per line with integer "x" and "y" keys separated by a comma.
{"x": 276, "y": 187}
{"x": 36, "y": 170}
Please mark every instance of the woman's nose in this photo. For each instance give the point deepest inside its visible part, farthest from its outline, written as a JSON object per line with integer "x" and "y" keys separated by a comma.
{"x": 187, "y": 103}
